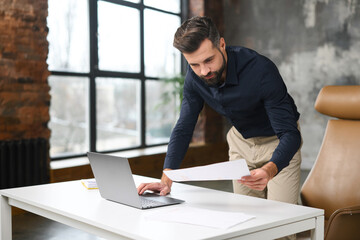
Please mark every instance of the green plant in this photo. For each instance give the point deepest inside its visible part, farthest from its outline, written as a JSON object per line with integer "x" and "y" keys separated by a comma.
{"x": 177, "y": 88}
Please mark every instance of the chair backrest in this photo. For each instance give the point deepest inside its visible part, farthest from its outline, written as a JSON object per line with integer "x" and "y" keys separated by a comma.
{"x": 334, "y": 181}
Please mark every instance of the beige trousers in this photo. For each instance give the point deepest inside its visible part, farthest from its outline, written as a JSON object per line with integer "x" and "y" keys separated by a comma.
{"x": 257, "y": 151}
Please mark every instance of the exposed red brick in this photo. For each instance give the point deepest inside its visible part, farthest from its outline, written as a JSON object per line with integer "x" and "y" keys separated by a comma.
{"x": 24, "y": 91}
{"x": 196, "y": 8}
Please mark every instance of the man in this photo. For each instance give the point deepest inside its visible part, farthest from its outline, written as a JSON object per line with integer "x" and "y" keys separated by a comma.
{"x": 248, "y": 90}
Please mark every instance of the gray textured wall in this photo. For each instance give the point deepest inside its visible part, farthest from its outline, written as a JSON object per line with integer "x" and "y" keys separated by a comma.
{"x": 313, "y": 42}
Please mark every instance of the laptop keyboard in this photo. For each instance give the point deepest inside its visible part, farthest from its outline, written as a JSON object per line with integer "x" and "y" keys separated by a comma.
{"x": 147, "y": 203}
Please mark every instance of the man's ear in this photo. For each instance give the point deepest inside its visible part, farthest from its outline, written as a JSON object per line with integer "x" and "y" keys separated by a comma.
{"x": 222, "y": 44}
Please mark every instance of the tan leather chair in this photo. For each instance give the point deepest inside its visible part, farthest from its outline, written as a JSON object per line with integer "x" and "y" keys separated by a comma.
{"x": 333, "y": 184}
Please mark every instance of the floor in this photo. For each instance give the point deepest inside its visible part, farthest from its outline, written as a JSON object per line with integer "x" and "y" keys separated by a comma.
{"x": 28, "y": 226}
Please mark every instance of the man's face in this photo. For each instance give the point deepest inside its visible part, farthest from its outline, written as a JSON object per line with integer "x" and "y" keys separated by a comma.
{"x": 209, "y": 62}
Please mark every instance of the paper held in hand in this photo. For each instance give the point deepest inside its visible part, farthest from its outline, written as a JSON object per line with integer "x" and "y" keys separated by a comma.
{"x": 218, "y": 171}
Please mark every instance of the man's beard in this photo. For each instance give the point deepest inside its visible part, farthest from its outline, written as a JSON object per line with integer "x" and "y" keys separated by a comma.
{"x": 216, "y": 80}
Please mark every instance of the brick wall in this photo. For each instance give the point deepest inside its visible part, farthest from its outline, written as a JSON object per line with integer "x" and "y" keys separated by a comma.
{"x": 24, "y": 91}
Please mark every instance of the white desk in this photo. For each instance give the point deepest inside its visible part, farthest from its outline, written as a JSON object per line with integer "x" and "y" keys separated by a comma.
{"x": 70, "y": 203}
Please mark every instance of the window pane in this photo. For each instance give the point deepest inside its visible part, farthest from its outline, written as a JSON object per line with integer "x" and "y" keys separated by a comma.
{"x": 119, "y": 38}
{"x": 162, "y": 107}
{"x": 118, "y": 113}
{"x": 68, "y": 35}
{"x": 68, "y": 115}
{"x": 167, "y": 5}
{"x": 161, "y": 58}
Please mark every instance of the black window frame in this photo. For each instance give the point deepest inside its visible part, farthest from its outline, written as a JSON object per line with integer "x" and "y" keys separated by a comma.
{"x": 95, "y": 72}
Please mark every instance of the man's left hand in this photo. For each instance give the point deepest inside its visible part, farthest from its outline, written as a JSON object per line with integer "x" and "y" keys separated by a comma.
{"x": 260, "y": 177}
{"x": 257, "y": 180}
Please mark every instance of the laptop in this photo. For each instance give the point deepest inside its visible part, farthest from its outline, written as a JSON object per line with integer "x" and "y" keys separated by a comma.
{"x": 115, "y": 182}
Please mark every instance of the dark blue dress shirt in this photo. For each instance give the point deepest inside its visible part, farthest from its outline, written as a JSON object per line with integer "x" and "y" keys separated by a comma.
{"x": 253, "y": 98}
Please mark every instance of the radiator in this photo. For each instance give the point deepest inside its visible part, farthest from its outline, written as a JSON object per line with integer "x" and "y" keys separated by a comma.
{"x": 23, "y": 163}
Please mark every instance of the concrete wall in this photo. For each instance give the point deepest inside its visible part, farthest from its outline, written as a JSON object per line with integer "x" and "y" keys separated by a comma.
{"x": 313, "y": 42}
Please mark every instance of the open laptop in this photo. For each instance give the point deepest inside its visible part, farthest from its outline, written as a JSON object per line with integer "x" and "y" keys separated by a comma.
{"x": 115, "y": 182}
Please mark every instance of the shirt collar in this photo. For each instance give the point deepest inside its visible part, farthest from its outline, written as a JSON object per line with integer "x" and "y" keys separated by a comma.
{"x": 231, "y": 76}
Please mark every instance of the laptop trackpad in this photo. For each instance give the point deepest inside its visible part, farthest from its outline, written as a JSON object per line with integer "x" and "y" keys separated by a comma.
{"x": 157, "y": 197}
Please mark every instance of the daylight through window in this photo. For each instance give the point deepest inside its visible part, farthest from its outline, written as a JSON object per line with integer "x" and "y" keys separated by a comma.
{"x": 108, "y": 60}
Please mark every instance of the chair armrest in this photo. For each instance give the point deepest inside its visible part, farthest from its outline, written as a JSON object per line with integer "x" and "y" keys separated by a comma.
{"x": 344, "y": 223}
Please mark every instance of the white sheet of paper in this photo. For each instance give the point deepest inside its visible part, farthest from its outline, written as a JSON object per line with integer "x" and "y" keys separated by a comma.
{"x": 218, "y": 171}
{"x": 198, "y": 216}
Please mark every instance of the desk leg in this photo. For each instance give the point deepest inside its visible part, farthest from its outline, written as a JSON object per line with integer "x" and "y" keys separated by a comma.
{"x": 318, "y": 232}
{"x": 5, "y": 219}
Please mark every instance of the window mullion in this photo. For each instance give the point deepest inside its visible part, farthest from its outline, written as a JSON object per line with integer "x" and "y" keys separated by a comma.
{"x": 93, "y": 22}
{"x": 142, "y": 88}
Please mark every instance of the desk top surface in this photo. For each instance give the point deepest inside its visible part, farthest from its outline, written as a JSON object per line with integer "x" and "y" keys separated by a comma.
{"x": 72, "y": 200}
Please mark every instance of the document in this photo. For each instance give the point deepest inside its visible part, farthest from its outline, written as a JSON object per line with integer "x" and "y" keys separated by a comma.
{"x": 218, "y": 171}
{"x": 199, "y": 216}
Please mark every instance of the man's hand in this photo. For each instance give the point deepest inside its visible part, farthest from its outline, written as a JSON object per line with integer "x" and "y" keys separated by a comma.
{"x": 260, "y": 177}
{"x": 164, "y": 187}
{"x": 155, "y": 186}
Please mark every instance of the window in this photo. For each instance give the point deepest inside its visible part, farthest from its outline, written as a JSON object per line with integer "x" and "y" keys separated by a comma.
{"x": 107, "y": 60}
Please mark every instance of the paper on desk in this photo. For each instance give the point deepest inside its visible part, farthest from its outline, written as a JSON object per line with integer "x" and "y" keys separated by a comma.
{"x": 198, "y": 216}
{"x": 219, "y": 171}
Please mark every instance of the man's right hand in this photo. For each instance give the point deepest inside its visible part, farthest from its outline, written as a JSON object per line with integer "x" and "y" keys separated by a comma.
{"x": 164, "y": 187}
{"x": 155, "y": 186}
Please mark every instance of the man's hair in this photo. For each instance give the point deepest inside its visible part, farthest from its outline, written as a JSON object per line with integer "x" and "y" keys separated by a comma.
{"x": 193, "y": 32}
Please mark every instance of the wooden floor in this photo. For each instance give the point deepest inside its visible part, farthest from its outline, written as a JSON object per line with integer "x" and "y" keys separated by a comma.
{"x": 29, "y": 226}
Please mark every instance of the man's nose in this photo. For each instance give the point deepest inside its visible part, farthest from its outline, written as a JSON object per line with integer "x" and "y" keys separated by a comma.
{"x": 204, "y": 70}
